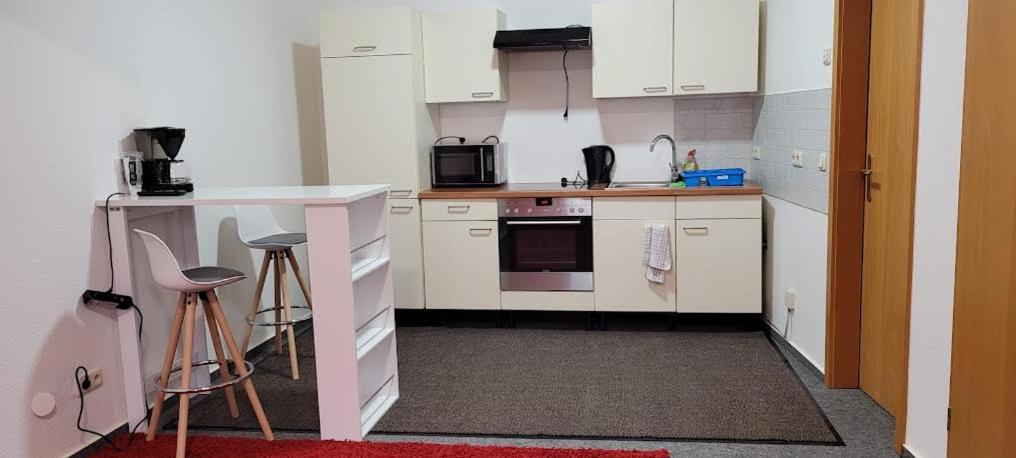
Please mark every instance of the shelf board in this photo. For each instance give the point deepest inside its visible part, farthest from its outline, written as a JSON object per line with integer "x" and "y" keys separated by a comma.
{"x": 371, "y": 341}
{"x": 382, "y": 403}
{"x": 366, "y": 266}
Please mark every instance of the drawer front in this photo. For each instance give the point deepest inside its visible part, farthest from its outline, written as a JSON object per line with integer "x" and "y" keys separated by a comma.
{"x": 633, "y": 208}
{"x": 460, "y": 210}
{"x": 719, "y": 207}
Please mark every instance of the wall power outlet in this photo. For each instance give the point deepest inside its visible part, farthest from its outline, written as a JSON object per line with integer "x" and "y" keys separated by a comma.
{"x": 790, "y": 299}
{"x": 94, "y": 380}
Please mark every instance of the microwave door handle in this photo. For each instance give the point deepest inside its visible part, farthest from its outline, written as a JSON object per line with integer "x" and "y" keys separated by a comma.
{"x": 570, "y": 222}
{"x": 483, "y": 168}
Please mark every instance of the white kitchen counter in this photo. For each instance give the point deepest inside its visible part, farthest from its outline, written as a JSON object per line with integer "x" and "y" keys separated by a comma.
{"x": 347, "y": 233}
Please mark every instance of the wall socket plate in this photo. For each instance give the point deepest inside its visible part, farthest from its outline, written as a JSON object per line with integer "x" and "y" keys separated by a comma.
{"x": 822, "y": 159}
{"x": 827, "y": 56}
{"x": 756, "y": 152}
{"x": 790, "y": 299}
{"x": 94, "y": 376}
{"x": 797, "y": 159}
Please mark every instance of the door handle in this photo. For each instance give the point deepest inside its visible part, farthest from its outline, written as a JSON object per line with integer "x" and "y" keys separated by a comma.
{"x": 480, "y": 231}
{"x": 458, "y": 208}
{"x": 401, "y": 209}
{"x": 694, "y": 87}
{"x": 654, "y": 89}
{"x": 366, "y": 48}
{"x": 405, "y": 192}
{"x": 543, "y": 223}
{"x": 482, "y": 95}
{"x": 866, "y": 173}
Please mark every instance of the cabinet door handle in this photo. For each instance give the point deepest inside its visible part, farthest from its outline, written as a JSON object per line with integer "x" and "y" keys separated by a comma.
{"x": 693, "y": 87}
{"x": 366, "y": 48}
{"x": 655, "y": 89}
{"x": 458, "y": 208}
{"x": 696, "y": 230}
{"x": 480, "y": 231}
{"x": 401, "y": 209}
{"x": 482, "y": 95}
{"x": 405, "y": 192}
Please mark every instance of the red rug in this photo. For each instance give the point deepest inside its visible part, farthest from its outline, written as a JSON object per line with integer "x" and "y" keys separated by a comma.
{"x": 220, "y": 447}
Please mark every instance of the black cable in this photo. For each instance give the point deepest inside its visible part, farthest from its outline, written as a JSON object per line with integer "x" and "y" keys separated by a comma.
{"x": 567, "y": 83}
{"x": 109, "y": 243}
{"x": 461, "y": 139}
{"x": 81, "y": 409}
{"x": 495, "y": 137}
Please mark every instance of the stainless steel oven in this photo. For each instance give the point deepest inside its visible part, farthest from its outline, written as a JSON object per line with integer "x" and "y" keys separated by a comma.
{"x": 546, "y": 244}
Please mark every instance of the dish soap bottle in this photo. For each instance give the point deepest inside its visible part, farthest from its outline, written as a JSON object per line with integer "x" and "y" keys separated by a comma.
{"x": 690, "y": 164}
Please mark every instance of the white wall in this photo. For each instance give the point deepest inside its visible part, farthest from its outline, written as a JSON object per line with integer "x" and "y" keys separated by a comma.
{"x": 935, "y": 209}
{"x": 241, "y": 76}
{"x": 796, "y": 32}
{"x": 796, "y": 258}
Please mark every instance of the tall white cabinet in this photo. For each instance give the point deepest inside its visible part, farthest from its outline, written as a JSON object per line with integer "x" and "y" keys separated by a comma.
{"x": 378, "y": 126}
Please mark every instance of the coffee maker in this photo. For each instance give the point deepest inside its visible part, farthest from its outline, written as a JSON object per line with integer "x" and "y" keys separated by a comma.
{"x": 162, "y": 173}
{"x": 599, "y": 162}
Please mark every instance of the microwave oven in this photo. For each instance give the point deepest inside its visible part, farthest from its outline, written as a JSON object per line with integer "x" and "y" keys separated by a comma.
{"x": 477, "y": 164}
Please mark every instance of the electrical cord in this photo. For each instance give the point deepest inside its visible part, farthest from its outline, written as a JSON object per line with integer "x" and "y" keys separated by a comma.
{"x": 462, "y": 140}
{"x": 109, "y": 243}
{"x": 567, "y": 83}
{"x": 495, "y": 137}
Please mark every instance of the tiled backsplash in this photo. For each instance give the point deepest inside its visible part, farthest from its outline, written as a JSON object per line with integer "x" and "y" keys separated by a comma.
{"x": 720, "y": 130}
{"x": 796, "y": 121}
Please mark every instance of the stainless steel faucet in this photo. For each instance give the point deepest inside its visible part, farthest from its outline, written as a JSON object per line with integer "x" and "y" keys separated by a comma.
{"x": 675, "y": 171}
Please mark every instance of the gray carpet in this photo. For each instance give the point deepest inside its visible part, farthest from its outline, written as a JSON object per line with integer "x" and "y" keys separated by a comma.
{"x": 553, "y": 383}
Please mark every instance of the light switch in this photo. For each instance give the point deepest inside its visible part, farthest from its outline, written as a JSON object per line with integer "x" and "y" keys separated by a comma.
{"x": 827, "y": 57}
{"x": 822, "y": 162}
{"x": 797, "y": 159}
{"x": 756, "y": 152}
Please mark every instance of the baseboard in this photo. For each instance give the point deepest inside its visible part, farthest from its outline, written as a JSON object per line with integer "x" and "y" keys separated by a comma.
{"x": 789, "y": 347}
{"x": 907, "y": 453}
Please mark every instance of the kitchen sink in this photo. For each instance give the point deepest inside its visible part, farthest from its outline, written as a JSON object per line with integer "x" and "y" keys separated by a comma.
{"x": 639, "y": 184}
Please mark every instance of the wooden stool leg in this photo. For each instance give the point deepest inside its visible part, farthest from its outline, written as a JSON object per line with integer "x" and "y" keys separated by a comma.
{"x": 167, "y": 365}
{"x": 278, "y": 300}
{"x": 185, "y": 374}
{"x": 294, "y": 368}
{"x": 256, "y": 304}
{"x": 241, "y": 369}
{"x": 213, "y": 333}
{"x": 299, "y": 276}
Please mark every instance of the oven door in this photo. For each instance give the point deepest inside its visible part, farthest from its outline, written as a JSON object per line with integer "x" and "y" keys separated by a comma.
{"x": 546, "y": 254}
{"x": 460, "y": 167}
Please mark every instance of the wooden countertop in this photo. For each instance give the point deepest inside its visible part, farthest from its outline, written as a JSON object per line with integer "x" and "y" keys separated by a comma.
{"x": 511, "y": 190}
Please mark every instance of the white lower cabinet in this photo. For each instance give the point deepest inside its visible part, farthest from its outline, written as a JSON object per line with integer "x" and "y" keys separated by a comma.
{"x": 406, "y": 236}
{"x": 719, "y": 266}
{"x": 461, "y": 265}
{"x": 619, "y": 277}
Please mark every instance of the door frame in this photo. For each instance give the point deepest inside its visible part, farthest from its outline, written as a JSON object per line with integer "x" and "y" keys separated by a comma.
{"x": 849, "y": 132}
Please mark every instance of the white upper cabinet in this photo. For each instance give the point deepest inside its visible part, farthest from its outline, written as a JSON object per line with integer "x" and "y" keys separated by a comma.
{"x": 633, "y": 48}
{"x": 715, "y": 46}
{"x": 460, "y": 62}
{"x": 370, "y": 32}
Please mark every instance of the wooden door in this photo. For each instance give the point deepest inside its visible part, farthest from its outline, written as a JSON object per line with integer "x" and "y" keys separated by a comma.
{"x": 983, "y": 385}
{"x": 888, "y": 214}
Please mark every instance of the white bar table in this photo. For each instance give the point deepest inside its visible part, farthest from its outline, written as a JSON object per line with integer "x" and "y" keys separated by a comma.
{"x": 351, "y": 288}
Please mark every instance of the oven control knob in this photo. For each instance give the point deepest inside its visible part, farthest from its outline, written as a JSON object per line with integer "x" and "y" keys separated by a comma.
{"x": 559, "y": 210}
{"x": 507, "y": 210}
{"x": 582, "y": 210}
{"x": 516, "y": 211}
{"x": 571, "y": 210}
{"x": 529, "y": 210}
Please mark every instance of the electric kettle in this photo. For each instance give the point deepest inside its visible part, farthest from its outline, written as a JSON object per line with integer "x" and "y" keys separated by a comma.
{"x": 599, "y": 162}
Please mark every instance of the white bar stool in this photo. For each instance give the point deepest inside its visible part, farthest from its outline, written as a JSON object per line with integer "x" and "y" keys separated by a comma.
{"x": 258, "y": 229}
{"x": 195, "y": 283}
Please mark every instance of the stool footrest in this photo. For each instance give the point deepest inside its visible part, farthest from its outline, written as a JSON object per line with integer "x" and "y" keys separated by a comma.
{"x": 300, "y": 313}
{"x": 206, "y": 389}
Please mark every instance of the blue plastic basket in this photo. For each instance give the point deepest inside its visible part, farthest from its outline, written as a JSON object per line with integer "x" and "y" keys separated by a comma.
{"x": 714, "y": 177}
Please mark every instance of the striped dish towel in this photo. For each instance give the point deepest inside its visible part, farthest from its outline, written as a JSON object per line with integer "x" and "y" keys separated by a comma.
{"x": 656, "y": 252}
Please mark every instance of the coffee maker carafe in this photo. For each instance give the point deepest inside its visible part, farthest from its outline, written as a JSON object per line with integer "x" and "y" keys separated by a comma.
{"x": 599, "y": 162}
{"x": 162, "y": 173}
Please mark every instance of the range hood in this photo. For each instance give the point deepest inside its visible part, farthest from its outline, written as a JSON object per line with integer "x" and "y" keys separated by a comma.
{"x": 572, "y": 38}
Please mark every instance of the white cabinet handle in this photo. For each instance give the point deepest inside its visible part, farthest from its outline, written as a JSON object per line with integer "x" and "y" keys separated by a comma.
{"x": 480, "y": 231}
{"x": 696, "y": 230}
{"x": 401, "y": 209}
{"x": 654, "y": 89}
{"x": 404, "y": 192}
{"x": 693, "y": 87}
{"x": 458, "y": 208}
{"x": 367, "y": 48}
{"x": 482, "y": 95}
